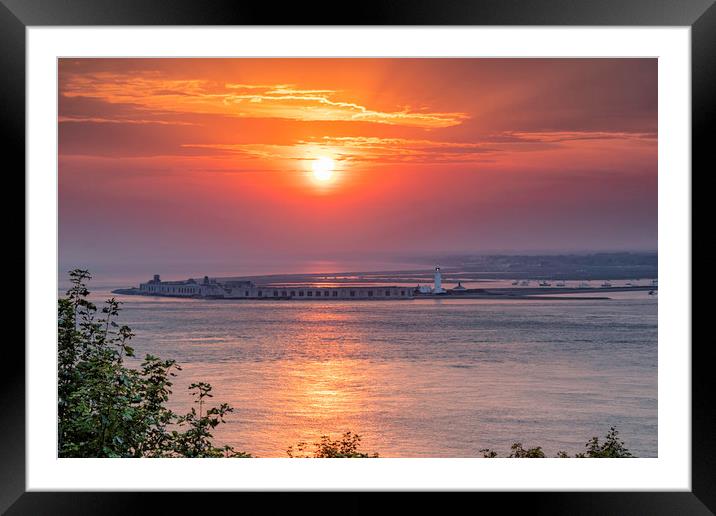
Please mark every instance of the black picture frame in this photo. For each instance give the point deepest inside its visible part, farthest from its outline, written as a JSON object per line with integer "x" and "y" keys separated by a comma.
{"x": 17, "y": 15}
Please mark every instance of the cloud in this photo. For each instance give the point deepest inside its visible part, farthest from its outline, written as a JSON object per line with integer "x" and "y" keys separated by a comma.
{"x": 566, "y": 136}
{"x": 418, "y": 151}
{"x": 105, "y": 120}
{"x": 150, "y": 91}
{"x": 359, "y": 149}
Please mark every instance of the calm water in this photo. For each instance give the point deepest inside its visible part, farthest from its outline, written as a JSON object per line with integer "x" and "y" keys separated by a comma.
{"x": 422, "y": 378}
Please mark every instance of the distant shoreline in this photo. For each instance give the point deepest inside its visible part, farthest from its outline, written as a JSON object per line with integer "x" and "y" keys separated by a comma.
{"x": 508, "y": 294}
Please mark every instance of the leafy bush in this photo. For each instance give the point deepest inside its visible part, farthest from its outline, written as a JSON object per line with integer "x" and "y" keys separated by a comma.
{"x": 344, "y": 448}
{"x": 613, "y": 447}
{"x": 106, "y": 409}
{"x": 518, "y": 452}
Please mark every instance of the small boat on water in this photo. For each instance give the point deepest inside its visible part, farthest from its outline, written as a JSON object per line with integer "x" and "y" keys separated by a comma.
{"x": 544, "y": 284}
{"x": 516, "y": 282}
{"x": 606, "y": 284}
{"x": 652, "y": 292}
{"x": 629, "y": 284}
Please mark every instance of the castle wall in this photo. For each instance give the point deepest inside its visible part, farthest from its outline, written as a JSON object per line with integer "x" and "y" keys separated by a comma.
{"x": 323, "y": 293}
{"x": 179, "y": 289}
{"x": 248, "y": 290}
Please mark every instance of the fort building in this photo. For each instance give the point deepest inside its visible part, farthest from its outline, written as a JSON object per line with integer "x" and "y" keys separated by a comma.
{"x": 244, "y": 289}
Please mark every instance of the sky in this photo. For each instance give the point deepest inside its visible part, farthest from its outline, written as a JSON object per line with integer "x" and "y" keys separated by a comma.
{"x": 292, "y": 165}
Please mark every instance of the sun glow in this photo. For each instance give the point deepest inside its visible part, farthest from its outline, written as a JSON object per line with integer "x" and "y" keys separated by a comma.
{"x": 323, "y": 169}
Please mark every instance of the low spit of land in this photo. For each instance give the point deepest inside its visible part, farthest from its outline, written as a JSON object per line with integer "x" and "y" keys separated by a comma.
{"x": 504, "y": 293}
{"x": 545, "y": 292}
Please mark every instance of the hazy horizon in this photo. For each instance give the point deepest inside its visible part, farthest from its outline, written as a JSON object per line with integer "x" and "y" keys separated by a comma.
{"x": 134, "y": 272}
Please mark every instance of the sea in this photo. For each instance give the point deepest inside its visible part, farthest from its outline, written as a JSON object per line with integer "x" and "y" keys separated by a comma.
{"x": 414, "y": 378}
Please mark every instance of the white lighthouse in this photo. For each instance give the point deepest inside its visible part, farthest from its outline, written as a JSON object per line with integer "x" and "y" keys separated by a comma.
{"x": 438, "y": 286}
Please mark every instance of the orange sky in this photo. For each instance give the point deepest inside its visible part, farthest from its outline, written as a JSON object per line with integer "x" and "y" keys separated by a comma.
{"x": 206, "y": 163}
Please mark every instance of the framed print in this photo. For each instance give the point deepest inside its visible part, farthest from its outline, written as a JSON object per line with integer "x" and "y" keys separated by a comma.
{"x": 441, "y": 238}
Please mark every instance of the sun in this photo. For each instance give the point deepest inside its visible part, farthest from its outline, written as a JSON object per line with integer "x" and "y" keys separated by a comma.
{"x": 323, "y": 169}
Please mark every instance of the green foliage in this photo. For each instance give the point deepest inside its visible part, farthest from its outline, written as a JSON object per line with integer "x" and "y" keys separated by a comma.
{"x": 106, "y": 409}
{"x": 613, "y": 447}
{"x": 518, "y": 452}
{"x": 344, "y": 448}
{"x": 196, "y": 440}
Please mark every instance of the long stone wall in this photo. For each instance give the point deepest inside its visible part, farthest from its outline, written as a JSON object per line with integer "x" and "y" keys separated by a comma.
{"x": 324, "y": 293}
